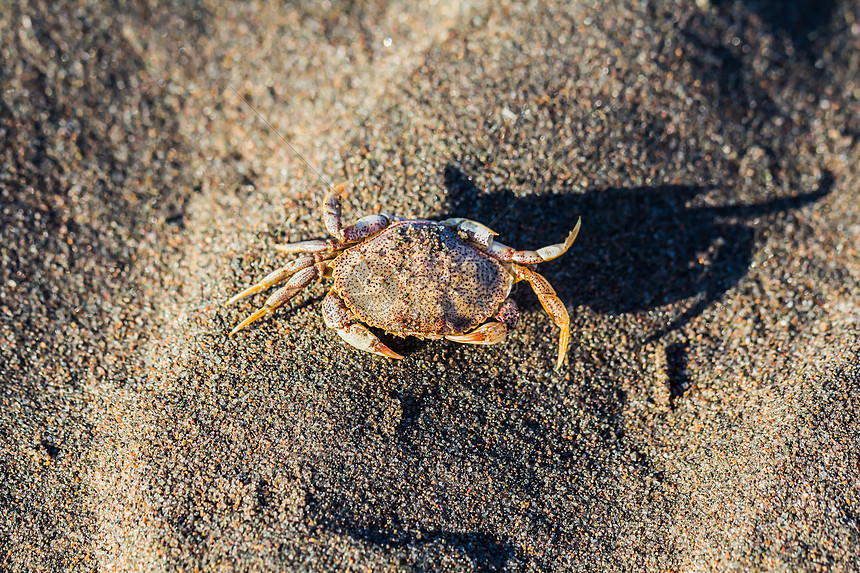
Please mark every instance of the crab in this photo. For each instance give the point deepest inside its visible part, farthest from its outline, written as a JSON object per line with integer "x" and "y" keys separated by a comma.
{"x": 413, "y": 277}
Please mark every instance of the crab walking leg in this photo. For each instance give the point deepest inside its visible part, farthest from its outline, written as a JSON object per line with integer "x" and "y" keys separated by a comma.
{"x": 274, "y": 278}
{"x": 492, "y": 332}
{"x": 509, "y": 254}
{"x": 331, "y": 211}
{"x": 281, "y": 296}
{"x": 551, "y": 304}
{"x": 312, "y": 246}
{"x": 365, "y": 227}
{"x": 361, "y": 229}
{"x": 336, "y": 315}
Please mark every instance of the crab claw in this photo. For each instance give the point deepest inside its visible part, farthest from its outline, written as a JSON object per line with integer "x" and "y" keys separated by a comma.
{"x": 490, "y": 333}
{"x": 358, "y": 336}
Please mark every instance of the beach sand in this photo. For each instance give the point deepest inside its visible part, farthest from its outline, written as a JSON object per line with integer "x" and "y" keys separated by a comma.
{"x": 706, "y": 418}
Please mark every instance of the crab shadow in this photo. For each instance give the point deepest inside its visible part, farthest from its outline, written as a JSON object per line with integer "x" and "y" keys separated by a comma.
{"x": 802, "y": 21}
{"x": 639, "y": 248}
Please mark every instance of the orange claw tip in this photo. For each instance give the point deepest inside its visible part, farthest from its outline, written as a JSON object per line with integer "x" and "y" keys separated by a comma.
{"x": 385, "y": 351}
{"x": 471, "y": 338}
{"x": 572, "y": 236}
{"x": 243, "y": 294}
{"x": 562, "y": 348}
{"x": 259, "y": 314}
{"x": 560, "y": 363}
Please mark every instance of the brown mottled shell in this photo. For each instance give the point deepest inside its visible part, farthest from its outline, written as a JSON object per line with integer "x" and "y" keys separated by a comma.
{"x": 418, "y": 278}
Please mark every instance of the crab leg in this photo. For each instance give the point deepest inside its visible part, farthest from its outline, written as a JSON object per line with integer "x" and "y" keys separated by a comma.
{"x": 331, "y": 210}
{"x": 336, "y": 315}
{"x": 551, "y": 304}
{"x": 511, "y": 255}
{"x": 312, "y": 246}
{"x": 472, "y": 231}
{"x": 299, "y": 281}
{"x": 365, "y": 227}
{"x": 275, "y": 277}
{"x": 493, "y": 332}
{"x": 361, "y": 229}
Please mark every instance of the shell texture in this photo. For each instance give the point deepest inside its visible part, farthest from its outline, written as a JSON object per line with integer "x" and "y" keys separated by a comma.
{"x": 419, "y": 278}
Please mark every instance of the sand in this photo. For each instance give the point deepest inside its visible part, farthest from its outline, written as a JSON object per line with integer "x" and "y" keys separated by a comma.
{"x": 705, "y": 419}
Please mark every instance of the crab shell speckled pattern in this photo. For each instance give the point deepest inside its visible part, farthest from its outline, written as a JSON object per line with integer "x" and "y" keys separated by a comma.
{"x": 419, "y": 278}
{"x": 447, "y": 279}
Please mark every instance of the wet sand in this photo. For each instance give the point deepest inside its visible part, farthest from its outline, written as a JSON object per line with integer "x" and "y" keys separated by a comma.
{"x": 705, "y": 419}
